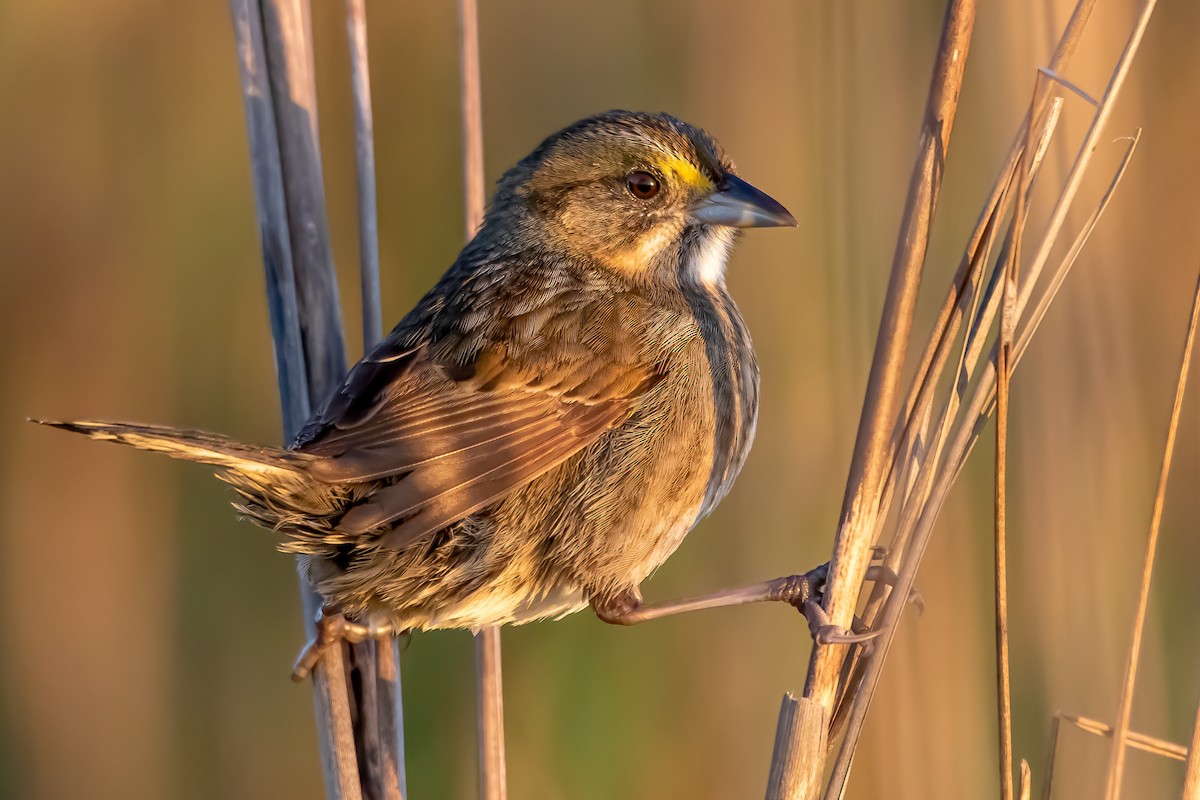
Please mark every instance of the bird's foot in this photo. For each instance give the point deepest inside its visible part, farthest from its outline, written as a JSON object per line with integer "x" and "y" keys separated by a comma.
{"x": 806, "y": 593}
{"x": 332, "y": 629}
{"x": 619, "y": 608}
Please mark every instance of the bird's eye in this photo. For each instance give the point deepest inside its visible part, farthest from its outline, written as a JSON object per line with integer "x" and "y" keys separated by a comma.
{"x": 642, "y": 185}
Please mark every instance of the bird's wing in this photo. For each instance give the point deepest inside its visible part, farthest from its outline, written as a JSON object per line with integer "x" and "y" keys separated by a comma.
{"x": 454, "y": 423}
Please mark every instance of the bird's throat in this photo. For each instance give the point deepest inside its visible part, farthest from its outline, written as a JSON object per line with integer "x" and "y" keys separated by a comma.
{"x": 709, "y": 256}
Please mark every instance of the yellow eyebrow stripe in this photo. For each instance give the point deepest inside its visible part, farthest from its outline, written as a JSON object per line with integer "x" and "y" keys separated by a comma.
{"x": 686, "y": 172}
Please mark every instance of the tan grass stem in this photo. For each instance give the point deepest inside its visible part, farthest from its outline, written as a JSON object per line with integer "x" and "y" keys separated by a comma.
{"x": 852, "y": 546}
{"x": 274, "y": 51}
{"x": 952, "y": 452}
{"x": 803, "y": 724}
{"x": 493, "y": 784}
{"x": 1191, "y": 779}
{"x": 1116, "y": 759}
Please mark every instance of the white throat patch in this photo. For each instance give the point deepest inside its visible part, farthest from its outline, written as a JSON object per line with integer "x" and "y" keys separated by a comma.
{"x": 708, "y": 261}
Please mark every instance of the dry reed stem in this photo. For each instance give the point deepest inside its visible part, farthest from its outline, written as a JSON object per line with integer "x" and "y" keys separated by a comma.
{"x": 1060, "y": 273}
{"x": 994, "y": 209}
{"x": 852, "y": 545}
{"x": 493, "y": 767}
{"x": 274, "y": 40}
{"x": 364, "y": 151}
{"x": 1191, "y": 780}
{"x": 472, "y": 113}
{"x": 382, "y": 712}
{"x": 964, "y": 287}
{"x": 1004, "y": 352}
{"x": 967, "y": 428}
{"x": 803, "y": 723}
{"x": 1026, "y": 780}
{"x": 966, "y": 433}
{"x": 1048, "y": 781}
{"x": 280, "y": 104}
{"x": 1116, "y": 759}
{"x": 493, "y": 782}
{"x": 1003, "y": 676}
{"x": 937, "y": 486}
{"x": 1138, "y": 741}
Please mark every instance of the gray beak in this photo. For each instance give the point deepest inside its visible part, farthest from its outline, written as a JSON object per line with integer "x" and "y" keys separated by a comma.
{"x": 737, "y": 204}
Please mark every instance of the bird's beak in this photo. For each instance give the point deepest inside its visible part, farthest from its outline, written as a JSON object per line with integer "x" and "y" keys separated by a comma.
{"x": 737, "y": 204}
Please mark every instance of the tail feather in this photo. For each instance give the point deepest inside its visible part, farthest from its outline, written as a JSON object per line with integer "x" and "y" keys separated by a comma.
{"x": 274, "y": 486}
{"x": 206, "y": 448}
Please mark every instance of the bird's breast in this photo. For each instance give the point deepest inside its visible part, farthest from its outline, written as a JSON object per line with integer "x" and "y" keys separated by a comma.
{"x": 732, "y": 373}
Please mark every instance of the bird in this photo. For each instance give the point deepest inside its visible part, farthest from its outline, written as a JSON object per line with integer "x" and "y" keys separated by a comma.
{"x": 550, "y": 420}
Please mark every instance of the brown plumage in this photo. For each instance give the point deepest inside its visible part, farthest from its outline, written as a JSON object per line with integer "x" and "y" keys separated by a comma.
{"x": 547, "y": 424}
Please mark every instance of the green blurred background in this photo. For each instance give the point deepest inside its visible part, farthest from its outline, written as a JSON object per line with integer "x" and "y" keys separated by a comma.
{"x": 147, "y": 636}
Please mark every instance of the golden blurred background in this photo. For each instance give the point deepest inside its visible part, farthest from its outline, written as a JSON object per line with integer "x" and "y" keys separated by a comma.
{"x": 147, "y": 636}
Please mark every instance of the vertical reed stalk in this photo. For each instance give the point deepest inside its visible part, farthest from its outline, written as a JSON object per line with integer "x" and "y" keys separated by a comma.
{"x": 1003, "y": 686}
{"x": 802, "y": 724}
{"x": 382, "y": 713}
{"x": 274, "y": 46}
{"x": 364, "y": 161}
{"x": 855, "y": 536}
{"x": 263, "y": 39}
{"x": 1004, "y": 357}
{"x": 488, "y": 672}
{"x": 1191, "y": 779}
{"x": 939, "y": 467}
{"x": 852, "y": 546}
{"x": 1116, "y": 759}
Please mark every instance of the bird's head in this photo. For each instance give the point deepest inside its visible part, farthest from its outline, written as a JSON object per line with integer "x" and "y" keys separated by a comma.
{"x": 646, "y": 195}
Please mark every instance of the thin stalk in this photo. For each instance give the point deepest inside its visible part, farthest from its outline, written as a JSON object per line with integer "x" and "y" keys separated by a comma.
{"x": 493, "y": 769}
{"x": 1138, "y": 741}
{"x": 493, "y": 784}
{"x": 382, "y": 695}
{"x": 972, "y": 416}
{"x": 364, "y": 152}
{"x": 472, "y": 113}
{"x": 1004, "y": 361}
{"x": 994, "y": 209}
{"x": 268, "y": 41}
{"x": 870, "y": 461}
{"x": 852, "y": 546}
{"x": 1191, "y": 779}
{"x": 1003, "y": 377}
{"x": 1051, "y": 757}
{"x": 1116, "y": 758}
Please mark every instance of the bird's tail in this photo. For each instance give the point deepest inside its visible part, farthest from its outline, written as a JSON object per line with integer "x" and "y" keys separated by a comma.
{"x": 275, "y": 486}
{"x": 206, "y": 448}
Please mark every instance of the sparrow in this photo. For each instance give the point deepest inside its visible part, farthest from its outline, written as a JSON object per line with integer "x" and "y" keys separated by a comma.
{"x": 542, "y": 430}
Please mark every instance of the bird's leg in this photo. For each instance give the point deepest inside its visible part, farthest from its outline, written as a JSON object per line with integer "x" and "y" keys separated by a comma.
{"x": 801, "y": 591}
{"x": 332, "y": 629}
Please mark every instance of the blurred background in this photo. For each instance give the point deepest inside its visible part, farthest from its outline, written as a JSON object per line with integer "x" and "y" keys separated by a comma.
{"x": 147, "y": 636}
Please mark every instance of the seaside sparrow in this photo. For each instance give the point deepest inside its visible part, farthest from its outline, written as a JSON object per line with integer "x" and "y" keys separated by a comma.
{"x": 543, "y": 429}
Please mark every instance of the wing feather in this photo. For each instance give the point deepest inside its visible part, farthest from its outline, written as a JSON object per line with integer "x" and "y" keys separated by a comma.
{"x": 485, "y": 403}
{"x": 467, "y": 498}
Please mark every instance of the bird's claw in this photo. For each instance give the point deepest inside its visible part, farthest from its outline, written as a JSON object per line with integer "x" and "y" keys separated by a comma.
{"x": 332, "y": 629}
{"x": 805, "y": 592}
{"x": 881, "y": 573}
{"x": 825, "y": 632}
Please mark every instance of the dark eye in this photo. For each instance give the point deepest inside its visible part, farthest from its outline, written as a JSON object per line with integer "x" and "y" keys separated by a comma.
{"x": 642, "y": 185}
